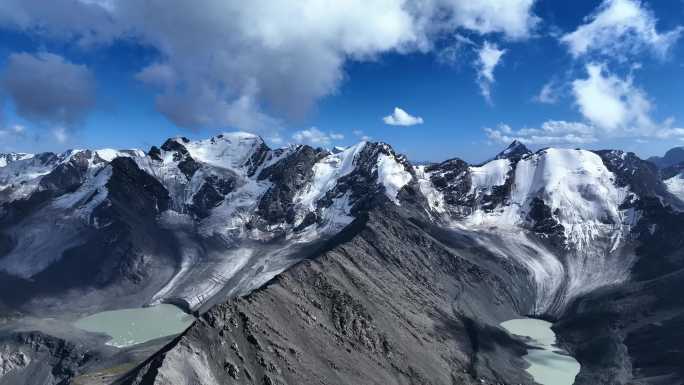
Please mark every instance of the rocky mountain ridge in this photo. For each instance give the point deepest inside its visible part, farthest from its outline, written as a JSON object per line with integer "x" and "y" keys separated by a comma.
{"x": 457, "y": 248}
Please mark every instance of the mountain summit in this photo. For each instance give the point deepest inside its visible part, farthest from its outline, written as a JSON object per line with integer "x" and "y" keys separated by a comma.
{"x": 352, "y": 265}
{"x": 515, "y": 150}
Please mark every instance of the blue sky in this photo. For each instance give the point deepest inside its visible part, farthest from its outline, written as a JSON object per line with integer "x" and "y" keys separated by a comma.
{"x": 468, "y": 76}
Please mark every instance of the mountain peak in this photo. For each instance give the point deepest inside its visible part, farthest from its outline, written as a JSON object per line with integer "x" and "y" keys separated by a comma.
{"x": 7, "y": 158}
{"x": 514, "y": 150}
{"x": 672, "y": 157}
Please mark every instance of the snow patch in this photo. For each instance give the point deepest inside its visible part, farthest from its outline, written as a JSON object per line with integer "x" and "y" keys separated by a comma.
{"x": 327, "y": 172}
{"x": 489, "y": 175}
{"x": 434, "y": 197}
{"x": 675, "y": 186}
{"x": 108, "y": 154}
{"x": 392, "y": 175}
{"x": 228, "y": 150}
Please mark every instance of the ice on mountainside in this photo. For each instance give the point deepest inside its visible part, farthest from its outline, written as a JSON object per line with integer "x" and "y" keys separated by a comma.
{"x": 580, "y": 200}
{"x": 575, "y": 184}
{"x": 11, "y": 157}
{"x": 489, "y": 175}
{"x": 434, "y": 197}
{"x": 327, "y": 172}
{"x": 224, "y": 173}
{"x": 675, "y": 185}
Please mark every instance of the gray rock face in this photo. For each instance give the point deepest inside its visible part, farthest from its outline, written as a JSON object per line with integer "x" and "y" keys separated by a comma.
{"x": 515, "y": 150}
{"x": 386, "y": 303}
{"x": 38, "y": 358}
{"x": 287, "y": 176}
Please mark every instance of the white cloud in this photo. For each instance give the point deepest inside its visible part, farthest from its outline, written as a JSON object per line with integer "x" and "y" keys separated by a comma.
{"x": 548, "y": 94}
{"x": 611, "y": 103}
{"x": 316, "y": 137}
{"x": 239, "y": 64}
{"x": 12, "y": 132}
{"x": 612, "y": 106}
{"x": 670, "y": 133}
{"x": 513, "y": 18}
{"x": 452, "y": 52}
{"x": 361, "y": 135}
{"x": 400, "y": 117}
{"x": 61, "y": 135}
{"x": 619, "y": 28}
{"x": 550, "y": 132}
{"x": 489, "y": 56}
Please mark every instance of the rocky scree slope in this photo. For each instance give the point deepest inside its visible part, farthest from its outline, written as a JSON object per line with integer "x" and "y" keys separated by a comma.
{"x": 386, "y": 302}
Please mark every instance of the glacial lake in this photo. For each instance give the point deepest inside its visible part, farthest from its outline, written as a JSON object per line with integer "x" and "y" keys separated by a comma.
{"x": 549, "y": 365}
{"x": 128, "y": 327}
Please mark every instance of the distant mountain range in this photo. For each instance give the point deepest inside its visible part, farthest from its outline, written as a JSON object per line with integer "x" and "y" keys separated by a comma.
{"x": 672, "y": 157}
{"x": 344, "y": 266}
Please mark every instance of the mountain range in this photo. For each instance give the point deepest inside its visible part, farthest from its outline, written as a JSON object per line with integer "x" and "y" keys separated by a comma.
{"x": 346, "y": 266}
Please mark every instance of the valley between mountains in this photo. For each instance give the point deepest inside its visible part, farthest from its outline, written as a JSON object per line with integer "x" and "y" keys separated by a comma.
{"x": 305, "y": 265}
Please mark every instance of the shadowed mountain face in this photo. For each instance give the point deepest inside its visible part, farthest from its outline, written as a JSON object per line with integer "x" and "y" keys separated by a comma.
{"x": 347, "y": 266}
{"x": 672, "y": 157}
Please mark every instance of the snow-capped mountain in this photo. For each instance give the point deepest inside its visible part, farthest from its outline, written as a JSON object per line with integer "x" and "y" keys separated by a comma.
{"x": 232, "y": 206}
{"x": 197, "y": 222}
{"x": 240, "y": 210}
{"x": 580, "y": 206}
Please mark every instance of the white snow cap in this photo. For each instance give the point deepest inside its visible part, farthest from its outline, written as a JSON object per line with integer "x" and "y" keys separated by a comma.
{"x": 228, "y": 150}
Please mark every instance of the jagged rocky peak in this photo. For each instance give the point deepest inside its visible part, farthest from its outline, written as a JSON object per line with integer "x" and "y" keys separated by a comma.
{"x": 515, "y": 150}
{"x": 233, "y": 150}
{"x": 10, "y": 157}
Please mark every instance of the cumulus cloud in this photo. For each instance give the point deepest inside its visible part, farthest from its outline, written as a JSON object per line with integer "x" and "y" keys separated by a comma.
{"x": 612, "y": 106}
{"x": 400, "y": 117}
{"x": 48, "y": 88}
{"x": 489, "y": 56}
{"x": 513, "y": 18}
{"x": 612, "y": 103}
{"x": 239, "y": 64}
{"x": 550, "y": 132}
{"x": 668, "y": 130}
{"x": 619, "y": 28}
{"x": 316, "y": 137}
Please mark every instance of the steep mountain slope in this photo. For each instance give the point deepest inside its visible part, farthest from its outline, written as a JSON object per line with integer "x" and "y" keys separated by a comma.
{"x": 549, "y": 230}
{"x": 568, "y": 199}
{"x": 631, "y": 333}
{"x": 180, "y": 222}
{"x": 387, "y": 303}
{"x": 400, "y": 274}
